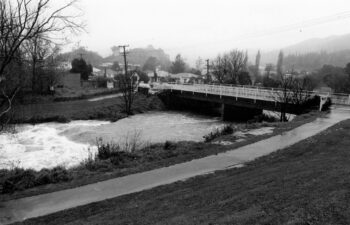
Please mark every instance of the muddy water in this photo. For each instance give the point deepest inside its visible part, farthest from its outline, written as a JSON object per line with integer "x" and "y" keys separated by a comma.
{"x": 50, "y": 144}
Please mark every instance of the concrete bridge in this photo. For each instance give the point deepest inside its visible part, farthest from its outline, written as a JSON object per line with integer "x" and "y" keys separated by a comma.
{"x": 248, "y": 101}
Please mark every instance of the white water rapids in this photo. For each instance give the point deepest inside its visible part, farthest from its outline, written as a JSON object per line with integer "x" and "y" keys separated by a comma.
{"x": 51, "y": 144}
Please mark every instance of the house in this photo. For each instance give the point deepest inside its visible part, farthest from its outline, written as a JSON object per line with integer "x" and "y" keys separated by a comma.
{"x": 184, "y": 77}
{"x": 160, "y": 76}
{"x": 105, "y": 72}
{"x": 64, "y": 66}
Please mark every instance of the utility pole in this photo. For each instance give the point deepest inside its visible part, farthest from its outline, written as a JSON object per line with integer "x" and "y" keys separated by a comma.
{"x": 124, "y": 54}
{"x": 207, "y": 69}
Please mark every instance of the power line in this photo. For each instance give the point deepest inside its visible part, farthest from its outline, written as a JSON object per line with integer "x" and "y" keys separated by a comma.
{"x": 275, "y": 30}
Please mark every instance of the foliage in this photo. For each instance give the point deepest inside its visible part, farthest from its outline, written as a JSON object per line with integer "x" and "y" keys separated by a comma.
{"x": 80, "y": 66}
{"x": 128, "y": 84}
{"x": 227, "y": 129}
{"x": 143, "y": 77}
{"x": 150, "y": 64}
{"x": 23, "y": 23}
{"x": 140, "y": 55}
{"x": 231, "y": 68}
{"x": 101, "y": 82}
{"x": 168, "y": 145}
{"x": 20, "y": 179}
{"x": 280, "y": 64}
{"x": 263, "y": 118}
{"x": 91, "y": 57}
{"x": 179, "y": 65}
{"x": 116, "y": 66}
{"x": 315, "y": 60}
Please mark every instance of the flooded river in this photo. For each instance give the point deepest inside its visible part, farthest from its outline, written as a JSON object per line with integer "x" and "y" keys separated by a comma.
{"x": 50, "y": 144}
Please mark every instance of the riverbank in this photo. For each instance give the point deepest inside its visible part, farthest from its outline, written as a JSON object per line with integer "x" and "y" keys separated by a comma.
{"x": 151, "y": 157}
{"x": 65, "y": 111}
{"x": 302, "y": 184}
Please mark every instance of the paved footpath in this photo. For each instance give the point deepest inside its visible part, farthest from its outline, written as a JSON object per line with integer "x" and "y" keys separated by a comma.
{"x": 21, "y": 209}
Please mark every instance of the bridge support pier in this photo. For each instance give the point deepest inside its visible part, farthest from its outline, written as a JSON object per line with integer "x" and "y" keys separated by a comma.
{"x": 237, "y": 113}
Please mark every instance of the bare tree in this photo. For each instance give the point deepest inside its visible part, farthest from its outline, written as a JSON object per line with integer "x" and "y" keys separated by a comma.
{"x": 37, "y": 51}
{"x": 219, "y": 68}
{"x": 301, "y": 92}
{"x": 237, "y": 63}
{"x": 285, "y": 95}
{"x": 128, "y": 83}
{"x": 293, "y": 92}
{"x": 22, "y": 21}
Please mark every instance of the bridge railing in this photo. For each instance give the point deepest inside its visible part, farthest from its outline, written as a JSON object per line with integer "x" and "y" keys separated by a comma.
{"x": 233, "y": 91}
{"x": 340, "y": 99}
{"x": 256, "y": 93}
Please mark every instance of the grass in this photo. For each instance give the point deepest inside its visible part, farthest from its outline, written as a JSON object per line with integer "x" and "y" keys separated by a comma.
{"x": 151, "y": 157}
{"x": 306, "y": 183}
{"x": 107, "y": 109}
{"x": 65, "y": 94}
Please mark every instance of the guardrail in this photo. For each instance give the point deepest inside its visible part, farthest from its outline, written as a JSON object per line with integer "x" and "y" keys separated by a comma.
{"x": 256, "y": 93}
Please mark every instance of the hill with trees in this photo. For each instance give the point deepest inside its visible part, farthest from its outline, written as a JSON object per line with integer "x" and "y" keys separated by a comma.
{"x": 90, "y": 57}
{"x": 140, "y": 56}
{"x": 312, "y": 54}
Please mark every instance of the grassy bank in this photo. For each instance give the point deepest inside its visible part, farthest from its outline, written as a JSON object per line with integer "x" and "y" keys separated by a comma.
{"x": 306, "y": 183}
{"x": 64, "y": 94}
{"x": 107, "y": 109}
{"x": 148, "y": 158}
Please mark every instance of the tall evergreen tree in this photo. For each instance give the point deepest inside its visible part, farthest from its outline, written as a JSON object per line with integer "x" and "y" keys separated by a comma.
{"x": 179, "y": 65}
{"x": 257, "y": 63}
{"x": 280, "y": 64}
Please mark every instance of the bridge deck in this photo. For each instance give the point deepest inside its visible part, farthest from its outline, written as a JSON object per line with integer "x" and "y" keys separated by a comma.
{"x": 256, "y": 93}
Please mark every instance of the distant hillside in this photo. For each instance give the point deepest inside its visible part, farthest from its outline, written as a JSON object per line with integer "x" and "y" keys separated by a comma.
{"x": 332, "y": 50}
{"x": 90, "y": 57}
{"x": 140, "y": 55}
{"x": 314, "y": 61}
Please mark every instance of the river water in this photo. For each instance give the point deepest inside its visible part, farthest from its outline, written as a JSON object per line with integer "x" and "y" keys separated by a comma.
{"x": 51, "y": 144}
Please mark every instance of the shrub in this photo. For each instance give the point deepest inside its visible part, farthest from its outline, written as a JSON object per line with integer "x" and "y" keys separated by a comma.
{"x": 168, "y": 145}
{"x": 106, "y": 150}
{"x": 114, "y": 153}
{"x": 43, "y": 177}
{"x": 20, "y": 179}
{"x": 227, "y": 129}
{"x": 263, "y": 118}
{"x": 60, "y": 174}
{"x": 121, "y": 158}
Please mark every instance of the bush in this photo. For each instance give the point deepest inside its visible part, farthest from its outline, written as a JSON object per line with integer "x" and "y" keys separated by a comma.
{"x": 114, "y": 153}
{"x": 263, "y": 118}
{"x": 60, "y": 174}
{"x": 227, "y": 129}
{"x": 20, "y": 179}
{"x": 168, "y": 145}
{"x": 106, "y": 150}
{"x": 121, "y": 158}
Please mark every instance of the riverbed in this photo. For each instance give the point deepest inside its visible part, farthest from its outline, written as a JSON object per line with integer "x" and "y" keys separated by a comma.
{"x": 48, "y": 145}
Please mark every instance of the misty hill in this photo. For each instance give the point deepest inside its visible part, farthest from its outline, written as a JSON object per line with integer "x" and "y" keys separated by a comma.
{"x": 314, "y": 53}
{"x": 140, "y": 55}
{"x": 90, "y": 57}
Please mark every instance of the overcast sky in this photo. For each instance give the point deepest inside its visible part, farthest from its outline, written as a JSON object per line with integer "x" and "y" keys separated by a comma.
{"x": 207, "y": 27}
